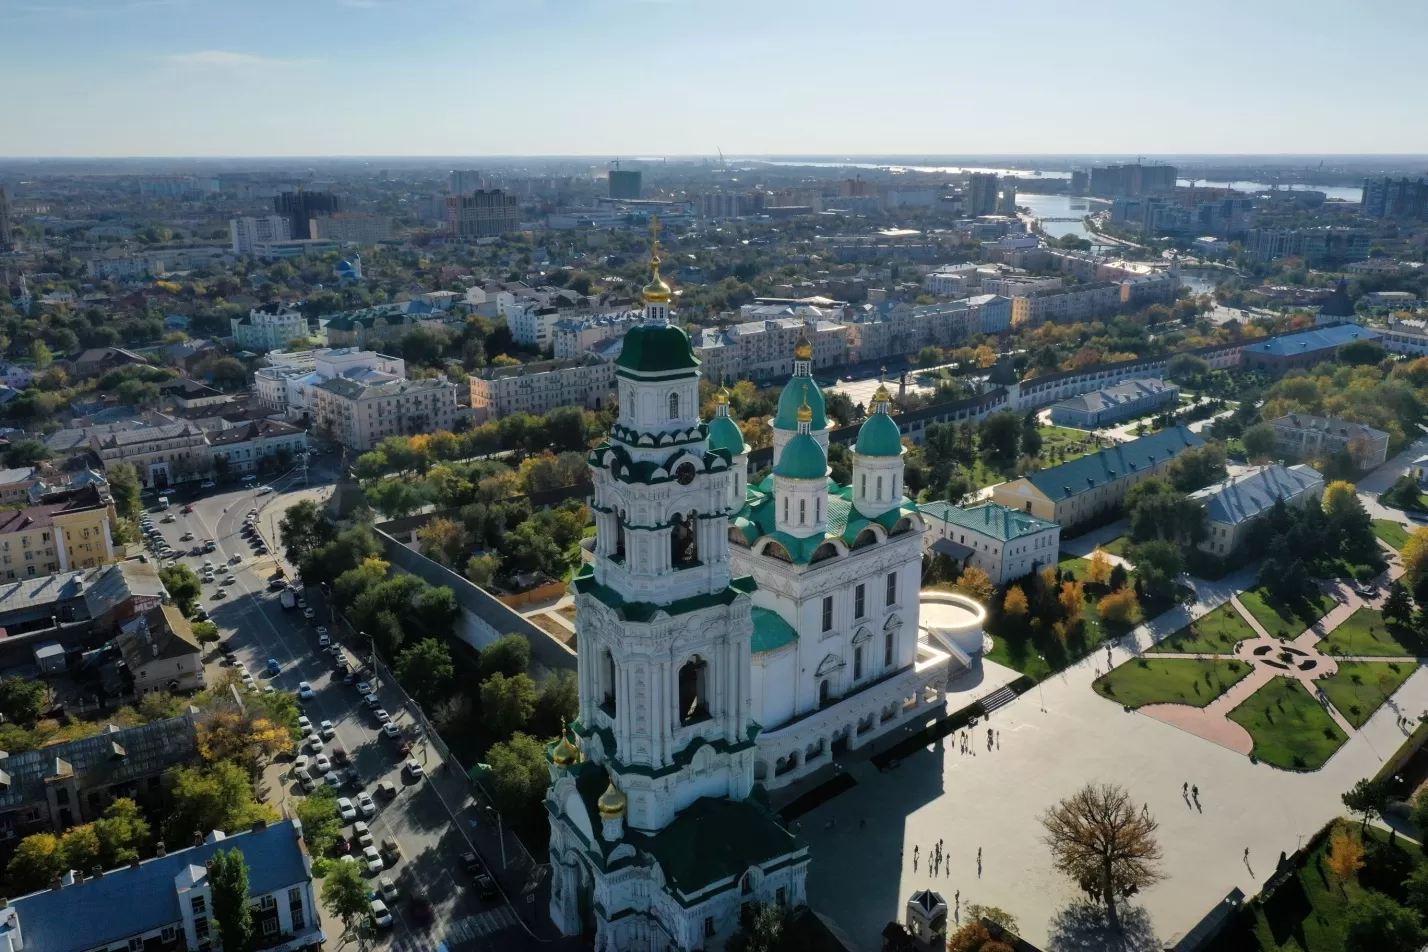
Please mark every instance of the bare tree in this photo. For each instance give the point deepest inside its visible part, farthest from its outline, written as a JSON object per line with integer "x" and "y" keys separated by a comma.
{"x": 1099, "y": 838}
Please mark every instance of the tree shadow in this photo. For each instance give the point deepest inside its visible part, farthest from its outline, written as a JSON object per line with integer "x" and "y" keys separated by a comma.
{"x": 1082, "y": 927}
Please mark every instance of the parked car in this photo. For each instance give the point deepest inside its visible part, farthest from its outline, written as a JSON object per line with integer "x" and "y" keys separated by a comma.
{"x": 346, "y": 809}
{"x": 304, "y": 691}
{"x": 386, "y": 888}
{"x": 381, "y": 915}
{"x": 413, "y": 768}
{"x": 392, "y": 848}
{"x": 372, "y": 701}
{"x": 366, "y": 805}
{"x": 391, "y": 729}
{"x": 360, "y": 831}
{"x": 363, "y": 688}
{"x": 373, "y": 859}
{"x": 274, "y": 668}
{"x": 309, "y": 614}
{"x": 386, "y": 790}
{"x": 486, "y": 886}
{"x": 300, "y": 764}
{"x": 304, "y": 725}
{"x": 339, "y": 755}
{"x": 322, "y": 762}
{"x": 472, "y": 864}
{"x": 207, "y": 484}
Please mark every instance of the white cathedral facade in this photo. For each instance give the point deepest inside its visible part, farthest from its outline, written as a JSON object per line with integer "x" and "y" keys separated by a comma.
{"x": 730, "y": 637}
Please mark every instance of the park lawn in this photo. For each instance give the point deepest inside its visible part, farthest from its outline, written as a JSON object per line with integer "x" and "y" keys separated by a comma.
{"x": 1191, "y": 681}
{"x": 1391, "y": 532}
{"x": 1020, "y": 656}
{"x": 1291, "y": 620}
{"x": 1075, "y": 564}
{"x": 1213, "y": 633}
{"x": 1366, "y": 633}
{"x": 1060, "y": 444}
{"x": 1116, "y": 546}
{"x": 1289, "y": 727}
{"x": 1306, "y": 913}
{"x": 1358, "y": 699}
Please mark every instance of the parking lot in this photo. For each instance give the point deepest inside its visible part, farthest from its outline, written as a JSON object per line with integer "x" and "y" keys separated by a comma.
{"x": 417, "y": 845}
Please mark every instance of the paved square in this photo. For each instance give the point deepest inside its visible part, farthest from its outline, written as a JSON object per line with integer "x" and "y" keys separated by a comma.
{"x": 993, "y": 799}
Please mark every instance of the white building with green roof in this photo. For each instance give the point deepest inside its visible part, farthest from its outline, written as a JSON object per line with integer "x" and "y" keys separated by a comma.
{"x": 838, "y": 655}
{"x": 657, "y": 839}
{"x": 1005, "y": 543}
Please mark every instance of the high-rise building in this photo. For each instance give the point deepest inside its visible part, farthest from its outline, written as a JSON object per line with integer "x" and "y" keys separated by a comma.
{"x": 248, "y": 232}
{"x": 981, "y": 194}
{"x": 1006, "y": 197}
{"x": 485, "y": 213}
{"x": 1079, "y": 182}
{"x": 626, "y": 184}
{"x": 301, "y": 207}
{"x": 352, "y": 227}
{"x": 1390, "y": 198}
{"x": 7, "y": 238}
{"x": 1132, "y": 181}
{"x": 465, "y": 182}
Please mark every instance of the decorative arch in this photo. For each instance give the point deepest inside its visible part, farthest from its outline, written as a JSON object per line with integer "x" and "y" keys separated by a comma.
{"x": 828, "y": 665}
{"x": 775, "y": 550}
{"x": 736, "y": 537}
{"x": 871, "y": 535}
{"x": 823, "y": 553}
{"x": 902, "y": 525}
{"x": 693, "y": 690}
{"x": 893, "y": 622}
{"x": 863, "y": 636}
{"x": 674, "y": 405}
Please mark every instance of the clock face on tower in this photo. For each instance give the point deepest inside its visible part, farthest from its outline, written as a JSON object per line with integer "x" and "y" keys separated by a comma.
{"x": 684, "y": 474}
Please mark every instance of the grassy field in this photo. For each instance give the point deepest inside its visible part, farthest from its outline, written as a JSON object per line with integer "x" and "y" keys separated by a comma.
{"x": 1391, "y": 532}
{"x": 1278, "y": 618}
{"x": 1306, "y": 913}
{"x": 1289, "y": 727}
{"x": 1213, "y": 633}
{"x": 1117, "y": 546}
{"x": 1061, "y": 445}
{"x": 1190, "y": 681}
{"x": 1360, "y": 687}
{"x": 1366, "y": 633}
{"x": 1023, "y": 657}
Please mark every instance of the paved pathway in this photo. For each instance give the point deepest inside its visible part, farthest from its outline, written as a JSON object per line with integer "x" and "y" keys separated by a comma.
{"x": 1086, "y": 543}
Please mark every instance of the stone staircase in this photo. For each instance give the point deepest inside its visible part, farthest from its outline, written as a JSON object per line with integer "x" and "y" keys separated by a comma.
{"x": 1001, "y": 697}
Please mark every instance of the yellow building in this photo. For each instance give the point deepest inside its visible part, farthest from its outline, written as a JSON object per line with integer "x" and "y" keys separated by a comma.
{"x": 66, "y": 530}
{"x": 1088, "y": 488}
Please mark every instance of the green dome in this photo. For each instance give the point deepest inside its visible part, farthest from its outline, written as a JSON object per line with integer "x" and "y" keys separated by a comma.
{"x": 879, "y": 436}
{"x": 724, "y": 434}
{"x": 802, "y": 458}
{"x": 657, "y": 348}
{"x": 792, "y": 398}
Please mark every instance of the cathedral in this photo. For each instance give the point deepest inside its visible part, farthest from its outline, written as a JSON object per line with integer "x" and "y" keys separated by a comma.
{"x": 732, "y": 638}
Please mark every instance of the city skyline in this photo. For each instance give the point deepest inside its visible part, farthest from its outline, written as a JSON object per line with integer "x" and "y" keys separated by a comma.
{"x": 193, "y": 78}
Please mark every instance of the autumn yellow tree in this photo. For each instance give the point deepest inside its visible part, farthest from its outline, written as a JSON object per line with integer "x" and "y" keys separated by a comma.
{"x": 1102, "y": 840}
{"x": 1122, "y": 606}
{"x": 1015, "y": 602}
{"x": 975, "y": 583}
{"x": 757, "y": 433}
{"x": 1415, "y": 555}
{"x": 1100, "y": 570}
{"x": 1346, "y": 854}
{"x": 1340, "y": 498}
{"x": 1073, "y": 601}
{"x": 241, "y": 738}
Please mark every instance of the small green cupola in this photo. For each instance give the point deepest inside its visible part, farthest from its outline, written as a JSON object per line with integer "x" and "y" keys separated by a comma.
{"x": 879, "y": 435}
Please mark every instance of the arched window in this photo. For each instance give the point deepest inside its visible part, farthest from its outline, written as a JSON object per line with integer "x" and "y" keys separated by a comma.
{"x": 902, "y": 525}
{"x": 863, "y": 486}
{"x": 746, "y": 885}
{"x": 894, "y": 492}
{"x": 674, "y": 406}
{"x": 607, "y": 678}
{"x": 825, "y": 551}
{"x": 785, "y": 508}
{"x": 825, "y": 692}
{"x": 880, "y": 489}
{"x": 684, "y": 540}
{"x": 620, "y": 536}
{"x": 693, "y": 688}
{"x": 802, "y": 511}
{"x": 775, "y": 550}
{"x": 866, "y": 537}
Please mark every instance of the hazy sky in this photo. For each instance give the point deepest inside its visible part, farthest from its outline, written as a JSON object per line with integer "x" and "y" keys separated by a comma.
{"x": 672, "y": 77}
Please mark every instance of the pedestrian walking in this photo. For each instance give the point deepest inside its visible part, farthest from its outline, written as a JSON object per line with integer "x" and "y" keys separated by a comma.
{"x": 1195, "y": 792}
{"x": 1246, "y": 854}
{"x": 1185, "y": 788}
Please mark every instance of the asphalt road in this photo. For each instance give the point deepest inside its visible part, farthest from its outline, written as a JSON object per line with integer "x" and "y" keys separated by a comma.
{"x": 252, "y": 620}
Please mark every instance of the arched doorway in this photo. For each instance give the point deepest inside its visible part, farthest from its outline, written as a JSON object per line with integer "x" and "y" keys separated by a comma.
{"x": 693, "y": 690}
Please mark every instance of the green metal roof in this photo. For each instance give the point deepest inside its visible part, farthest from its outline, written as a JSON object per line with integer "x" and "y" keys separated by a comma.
{"x": 657, "y": 348}
{"x": 771, "y": 631}
{"x": 724, "y": 434}
{"x": 992, "y": 520}
{"x": 802, "y": 458}
{"x": 794, "y": 393}
{"x": 715, "y": 839}
{"x": 1114, "y": 463}
{"x": 758, "y": 518}
{"x": 584, "y": 582}
{"x": 879, "y": 436}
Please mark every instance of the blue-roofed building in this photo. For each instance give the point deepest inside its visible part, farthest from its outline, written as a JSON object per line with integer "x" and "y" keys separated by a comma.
{"x": 1278, "y": 354}
{"x": 165, "y": 904}
{"x": 1233, "y": 505}
{"x": 1093, "y": 486}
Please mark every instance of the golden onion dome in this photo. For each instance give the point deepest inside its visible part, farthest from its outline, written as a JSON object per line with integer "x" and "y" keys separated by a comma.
{"x": 566, "y": 753}
{"x": 722, "y": 397}
{"x": 803, "y": 350}
{"x": 805, "y": 412}
{"x": 611, "y": 803}
{"x": 882, "y": 395}
{"x": 656, "y": 292}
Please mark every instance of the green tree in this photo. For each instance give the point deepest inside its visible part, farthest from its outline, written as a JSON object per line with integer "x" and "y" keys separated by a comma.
{"x": 1397, "y": 607}
{"x": 1260, "y": 441}
{"x": 27, "y": 453}
{"x": 23, "y": 701}
{"x": 519, "y": 774}
{"x": 1376, "y": 923}
{"x": 1157, "y": 564}
{"x": 37, "y": 860}
{"x": 1000, "y": 435}
{"x": 124, "y": 485}
{"x": 344, "y": 894}
{"x": 435, "y": 609}
{"x": 216, "y": 796}
{"x": 507, "y": 703}
{"x": 509, "y": 655}
{"x": 122, "y": 832}
{"x": 206, "y": 632}
{"x": 1157, "y": 510}
{"x": 1368, "y": 798}
{"x": 559, "y": 702}
{"x": 40, "y": 354}
{"x": 79, "y": 847}
{"x": 762, "y": 928}
{"x": 304, "y": 528}
{"x": 425, "y": 669}
{"x": 394, "y": 497}
{"x": 321, "y": 824}
{"x": 182, "y": 585}
{"x": 228, "y": 880}
{"x": 527, "y": 549}
{"x": 1197, "y": 467}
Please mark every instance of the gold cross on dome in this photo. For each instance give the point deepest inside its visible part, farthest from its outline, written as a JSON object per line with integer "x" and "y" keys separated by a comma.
{"x": 655, "y": 229}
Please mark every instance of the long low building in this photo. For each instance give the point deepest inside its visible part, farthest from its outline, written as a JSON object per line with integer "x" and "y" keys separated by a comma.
{"x": 1234, "y": 505}
{"x": 1124, "y": 401}
{"x": 1093, "y": 486}
{"x": 1005, "y": 543}
{"x": 1315, "y": 437}
{"x": 1305, "y": 349}
{"x": 541, "y": 387}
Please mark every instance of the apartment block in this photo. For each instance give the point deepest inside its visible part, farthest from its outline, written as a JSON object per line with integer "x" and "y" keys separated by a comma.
{"x": 352, "y": 228}
{"x": 248, "y": 232}
{"x": 361, "y": 415}
{"x": 484, "y": 213}
{"x": 539, "y": 387}
{"x": 269, "y": 327}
